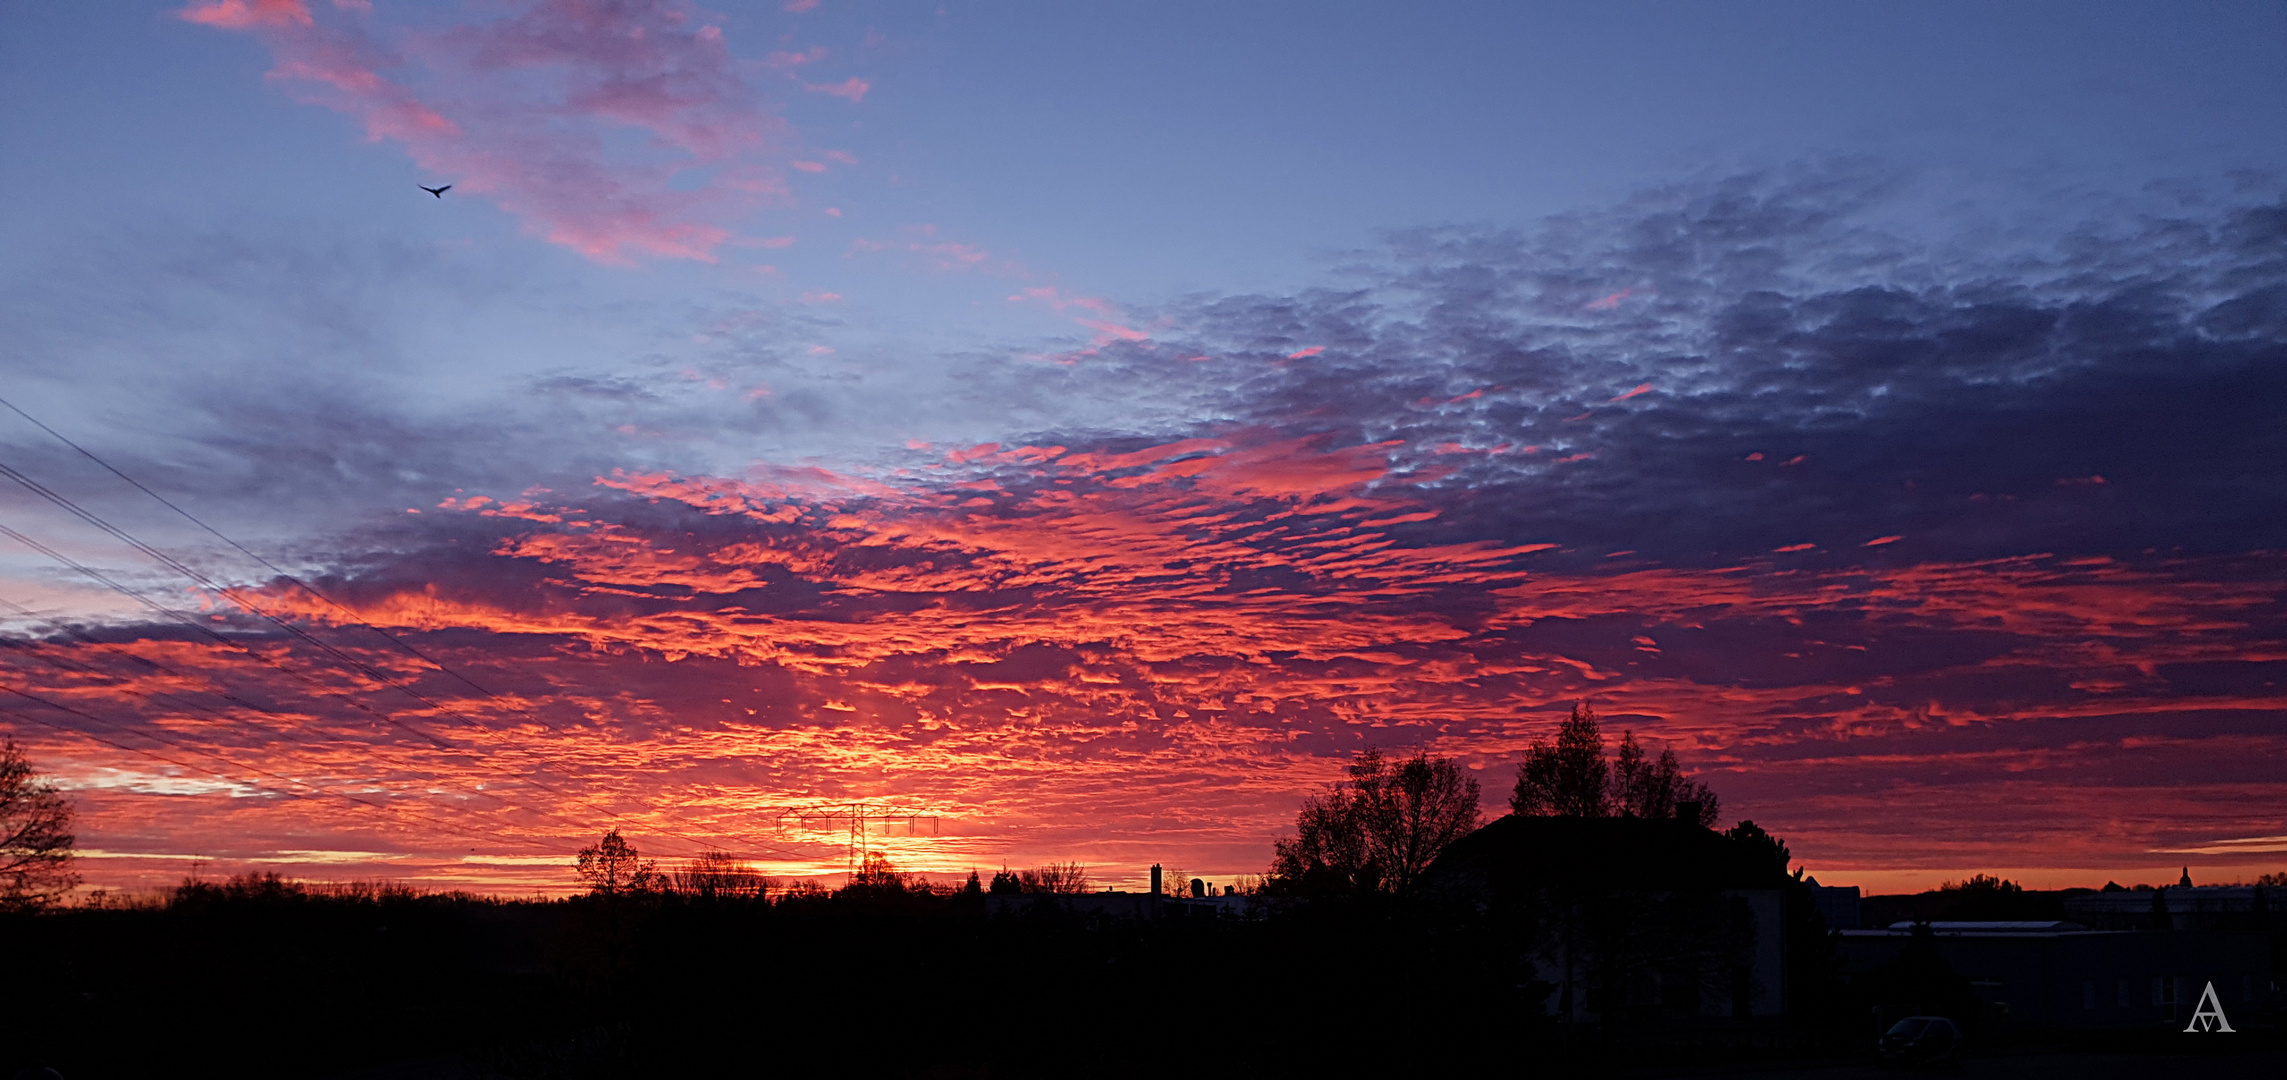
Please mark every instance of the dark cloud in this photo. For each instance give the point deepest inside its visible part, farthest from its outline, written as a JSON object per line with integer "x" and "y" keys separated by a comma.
{"x": 1856, "y": 517}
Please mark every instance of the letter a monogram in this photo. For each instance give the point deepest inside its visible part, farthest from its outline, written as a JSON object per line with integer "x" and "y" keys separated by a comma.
{"x": 2211, "y": 1012}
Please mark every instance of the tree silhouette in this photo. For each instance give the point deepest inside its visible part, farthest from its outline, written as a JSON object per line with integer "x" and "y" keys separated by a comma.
{"x": 1569, "y": 778}
{"x": 1769, "y": 848}
{"x": 35, "y": 835}
{"x": 1378, "y": 832}
{"x": 1983, "y": 896}
{"x": 715, "y": 875}
{"x": 1572, "y": 779}
{"x": 1057, "y": 878}
{"x": 1416, "y": 812}
{"x": 876, "y": 877}
{"x": 612, "y": 866}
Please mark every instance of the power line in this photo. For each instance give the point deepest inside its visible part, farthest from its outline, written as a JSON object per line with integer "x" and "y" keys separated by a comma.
{"x": 354, "y": 617}
{"x": 106, "y": 581}
{"x": 699, "y": 844}
{"x": 121, "y": 686}
{"x": 178, "y": 566}
{"x": 316, "y": 789}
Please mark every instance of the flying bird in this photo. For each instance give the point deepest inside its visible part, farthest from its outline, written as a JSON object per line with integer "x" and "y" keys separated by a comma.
{"x": 436, "y": 191}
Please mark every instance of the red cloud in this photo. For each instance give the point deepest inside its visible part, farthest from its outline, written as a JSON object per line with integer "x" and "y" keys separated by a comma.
{"x": 1039, "y": 644}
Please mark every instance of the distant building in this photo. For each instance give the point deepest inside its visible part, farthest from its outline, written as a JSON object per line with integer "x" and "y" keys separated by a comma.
{"x": 1108, "y": 904}
{"x": 1630, "y": 921}
{"x": 1200, "y": 900}
{"x": 1837, "y": 904}
{"x": 2064, "y": 975}
{"x": 2186, "y": 907}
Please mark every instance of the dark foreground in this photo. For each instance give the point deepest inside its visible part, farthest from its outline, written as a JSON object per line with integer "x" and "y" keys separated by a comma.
{"x": 270, "y": 980}
{"x": 288, "y": 985}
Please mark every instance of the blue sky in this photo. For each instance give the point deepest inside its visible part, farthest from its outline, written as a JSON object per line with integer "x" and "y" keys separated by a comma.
{"x": 1131, "y": 154}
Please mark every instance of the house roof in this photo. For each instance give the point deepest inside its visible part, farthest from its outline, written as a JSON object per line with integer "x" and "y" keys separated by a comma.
{"x": 1521, "y": 854}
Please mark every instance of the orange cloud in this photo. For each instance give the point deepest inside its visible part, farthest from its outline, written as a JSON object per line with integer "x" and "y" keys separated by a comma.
{"x": 1049, "y": 647}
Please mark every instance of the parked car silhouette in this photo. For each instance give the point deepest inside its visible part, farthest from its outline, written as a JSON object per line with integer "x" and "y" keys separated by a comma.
{"x": 1922, "y": 1040}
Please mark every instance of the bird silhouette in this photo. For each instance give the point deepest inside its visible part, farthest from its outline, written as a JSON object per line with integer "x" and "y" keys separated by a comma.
{"x": 436, "y": 191}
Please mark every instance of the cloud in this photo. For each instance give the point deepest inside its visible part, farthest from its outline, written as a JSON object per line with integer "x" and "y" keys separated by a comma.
{"x": 525, "y": 110}
{"x": 852, "y": 89}
{"x": 1050, "y": 603}
{"x": 242, "y": 15}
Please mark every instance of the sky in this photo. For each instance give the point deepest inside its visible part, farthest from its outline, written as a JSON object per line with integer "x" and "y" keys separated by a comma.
{"x": 1072, "y": 432}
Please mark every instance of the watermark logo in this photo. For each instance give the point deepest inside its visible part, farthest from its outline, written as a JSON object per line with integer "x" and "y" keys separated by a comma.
{"x": 2209, "y": 1016}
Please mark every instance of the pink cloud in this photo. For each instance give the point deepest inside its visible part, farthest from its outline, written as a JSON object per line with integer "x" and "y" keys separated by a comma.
{"x": 242, "y": 15}
{"x": 797, "y": 7}
{"x": 1057, "y": 300}
{"x": 941, "y": 255}
{"x": 1644, "y": 389}
{"x": 1108, "y": 331}
{"x": 811, "y": 55}
{"x": 853, "y": 88}
{"x": 1881, "y": 540}
{"x": 810, "y": 166}
{"x": 821, "y": 297}
{"x": 1303, "y": 353}
{"x": 1612, "y": 301}
{"x": 525, "y": 110}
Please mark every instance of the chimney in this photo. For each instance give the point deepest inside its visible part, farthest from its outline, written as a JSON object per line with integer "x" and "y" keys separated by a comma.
{"x": 1155, "y": 880}
{"x": 1688, "y": 811}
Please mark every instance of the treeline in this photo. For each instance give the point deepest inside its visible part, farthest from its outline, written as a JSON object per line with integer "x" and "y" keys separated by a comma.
{"x": 890, "y": 975}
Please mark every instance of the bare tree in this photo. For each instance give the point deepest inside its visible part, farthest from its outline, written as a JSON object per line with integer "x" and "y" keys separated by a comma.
{"x": 1414, "y": 812}
{"x": 1329, "y": 851}
{"x": 876, "y": 877}
{"x": 1383, "y": 829}
{"x": 35, "y": 835}
{"x": 1054, "y": 878}
{"x": 716, "y": 875}
{"x": 612, "y": 866}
